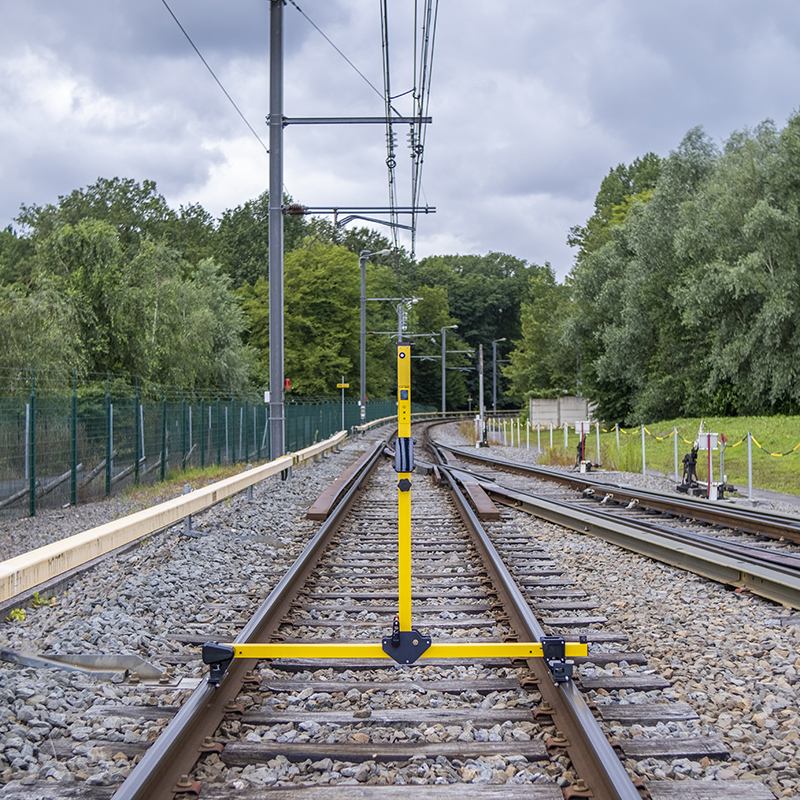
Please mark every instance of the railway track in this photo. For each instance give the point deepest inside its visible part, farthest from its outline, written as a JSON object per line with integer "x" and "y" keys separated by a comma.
{"x": 353, "y": 729}
{"x": 749, "y": 549}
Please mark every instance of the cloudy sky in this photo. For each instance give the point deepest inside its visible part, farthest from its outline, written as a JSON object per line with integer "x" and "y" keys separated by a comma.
{"x": 532, "y": 102}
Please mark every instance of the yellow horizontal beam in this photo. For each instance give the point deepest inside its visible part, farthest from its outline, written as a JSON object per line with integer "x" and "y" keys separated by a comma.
{"x": 373, "y": 650}
{"x": 19, "y": 574}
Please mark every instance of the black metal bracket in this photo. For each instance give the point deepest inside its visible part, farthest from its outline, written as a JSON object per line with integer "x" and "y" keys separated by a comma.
{"x": 405, "y": 647}
{"x": 219, "y": 657}
{"x": 554, "y": 653}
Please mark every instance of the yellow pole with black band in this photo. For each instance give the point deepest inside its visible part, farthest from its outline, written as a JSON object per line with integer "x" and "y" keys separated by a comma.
{"x": 404, "y": 464}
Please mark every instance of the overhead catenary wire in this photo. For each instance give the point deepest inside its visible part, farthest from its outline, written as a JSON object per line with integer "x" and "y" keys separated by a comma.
{"x": 423, "y": 69}
{"x": 424, "y": 38}
{"x": 391, "y": 161}
{"x": 219, "y": 83}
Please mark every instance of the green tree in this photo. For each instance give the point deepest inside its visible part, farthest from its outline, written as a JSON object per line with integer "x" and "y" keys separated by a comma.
{"x": 484, "y": 295}
{"x": 134, "y": 210}
{"x": 618, "y": 190}
{"x": 40, "y": 330}
{"x": 542, "y": 363}
{"x": 429, "y": 316}
{"x": 241, "y": 243}
{"x": 742, "y": 233}
{"x": 15, "y": 252}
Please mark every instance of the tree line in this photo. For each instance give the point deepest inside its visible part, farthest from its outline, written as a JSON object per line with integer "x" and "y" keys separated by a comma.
{"x": 684, "y": 298}
{"x": 111, "y": 279}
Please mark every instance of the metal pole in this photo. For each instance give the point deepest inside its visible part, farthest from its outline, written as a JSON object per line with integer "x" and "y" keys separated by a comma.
{"x": 675, "y": 451}
{"x": 494, "y": 377}
{"x": 183, "y": 433}
{"x": 73, "y": 483}
{"x": 362, "y": 262}
{"x": 136, "y": 432}
{"x": 749, "y": 465}
{"x": 163, "y": 437}
{"x": 109, "y": 445}
{"x": 444, "y": 379}
{"x": 27, "y": 447}
{"x": 644, "y": 469}
{"x": 277, "y": 440}
{"x": 481, "y": 406}
{"x": 219, "y": 430}
{"x": 597, "y": 431}
{"x": 343, "y": 402}
{"x": 202, "y": 432}
{"x": 32, "y": 443}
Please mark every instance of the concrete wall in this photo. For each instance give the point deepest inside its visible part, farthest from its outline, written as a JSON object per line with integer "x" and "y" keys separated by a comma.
{"x": 560, "y": 410}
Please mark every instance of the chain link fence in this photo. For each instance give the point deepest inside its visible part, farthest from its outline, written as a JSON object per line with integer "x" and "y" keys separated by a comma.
{"x": 65, "y": 440}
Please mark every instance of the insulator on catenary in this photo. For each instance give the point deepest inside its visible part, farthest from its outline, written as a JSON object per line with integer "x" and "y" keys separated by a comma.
{"x": 295, "y": 210}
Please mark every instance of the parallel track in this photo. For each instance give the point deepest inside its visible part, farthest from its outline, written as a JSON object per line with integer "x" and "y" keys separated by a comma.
{"x": 660, "y": 526}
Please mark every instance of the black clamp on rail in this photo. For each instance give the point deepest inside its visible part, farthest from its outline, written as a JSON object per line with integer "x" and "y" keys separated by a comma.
{"x": 219, "y": 657}
{"x": 554, "y": 653}
{"x": 405, "y": 647}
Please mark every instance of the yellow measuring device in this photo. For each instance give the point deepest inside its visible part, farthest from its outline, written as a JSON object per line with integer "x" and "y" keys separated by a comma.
{"x": 405, "y": 644}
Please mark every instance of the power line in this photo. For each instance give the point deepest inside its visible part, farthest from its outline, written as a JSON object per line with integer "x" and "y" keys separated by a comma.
{"x": 219, "y": 83}
{"x": 325, "y": 37}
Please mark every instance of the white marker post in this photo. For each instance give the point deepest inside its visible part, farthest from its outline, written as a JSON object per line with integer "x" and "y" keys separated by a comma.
{"x": 709, "y": 441}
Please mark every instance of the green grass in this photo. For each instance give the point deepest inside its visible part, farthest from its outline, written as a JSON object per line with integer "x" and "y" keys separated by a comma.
{"x": 148, "y": 494}
{"x": 776, "y": 435}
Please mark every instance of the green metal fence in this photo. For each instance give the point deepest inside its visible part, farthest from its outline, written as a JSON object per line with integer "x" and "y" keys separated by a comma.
{"x": 65, "y": 440}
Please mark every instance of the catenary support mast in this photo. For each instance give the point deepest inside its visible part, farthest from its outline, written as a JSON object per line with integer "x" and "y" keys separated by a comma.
{"x": 276, "y": 425}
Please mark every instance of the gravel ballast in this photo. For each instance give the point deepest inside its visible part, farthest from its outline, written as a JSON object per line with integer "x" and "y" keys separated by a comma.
{"x": 733, "y": 657}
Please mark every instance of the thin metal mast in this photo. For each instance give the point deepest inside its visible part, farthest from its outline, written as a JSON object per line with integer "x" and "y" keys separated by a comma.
{"x": 276, "y": 427}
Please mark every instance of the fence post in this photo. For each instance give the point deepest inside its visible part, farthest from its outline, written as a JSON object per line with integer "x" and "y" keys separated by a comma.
{"x": 136, "y": 433}
{"x": 597, "y": 431}
{"x": 32, "y": 448}
{"x": 566, "y": 437}
{"x": 243, "y": 432}
{"x": 219, "y": 431}
{"x": 749, "y": 465}
{"x": 183, "y": 434}
{"x": 675, "y": 433}
{"x": 163, "y": 436}
{"x": 108, "y": 435}
{"x": 73, "y": 478}
{"x": 644, "y": 467}
{"x": 551, "y": 435}
{"x": 203, "y": 432}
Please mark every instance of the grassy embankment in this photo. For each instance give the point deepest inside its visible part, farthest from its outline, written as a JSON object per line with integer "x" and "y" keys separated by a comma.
{"x": 774, "y": 434}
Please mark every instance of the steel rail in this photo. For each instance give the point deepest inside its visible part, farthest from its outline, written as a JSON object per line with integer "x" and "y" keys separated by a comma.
{"x": 775, "y": 576}
{"x": 176, "y": 750}
{"x": 595, "y": 760}
{"x": 752, "y": 521}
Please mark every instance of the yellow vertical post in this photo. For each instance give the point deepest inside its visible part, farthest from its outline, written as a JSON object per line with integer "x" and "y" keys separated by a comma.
{"x": 404, "y": 463}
